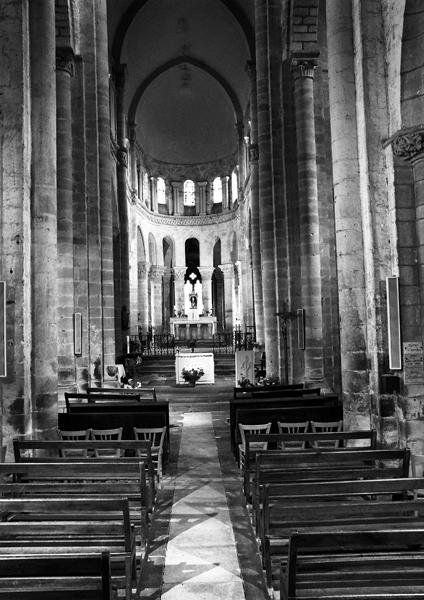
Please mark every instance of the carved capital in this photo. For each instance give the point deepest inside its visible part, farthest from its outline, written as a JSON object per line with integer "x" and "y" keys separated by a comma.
{"x": 122, "y": 156}
{"x": 179, "y": 273}
{"x": 409, "y": 145}
{"x": 65, "y": 60}
{"x": 156, "y": 273}
{"x": 253, "y": 152}
{"x": 206, "y": 273}
{"x": 143, "y": 269}
{"x": 227, "y": 269}
{"x": 303, "y": 66}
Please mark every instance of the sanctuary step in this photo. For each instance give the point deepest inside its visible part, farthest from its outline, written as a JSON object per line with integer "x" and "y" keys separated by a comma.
{"x": 161, "y": 368}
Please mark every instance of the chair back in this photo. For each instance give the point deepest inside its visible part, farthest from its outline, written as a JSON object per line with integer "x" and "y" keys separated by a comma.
{"x": 154, "y": 435}
{"x": 254, "y": 429}
{"x": 107, "y": 434}
{"x": 78, "y": 434}
{"x": 326, "y": 426}
{"x": 299, "y": 427}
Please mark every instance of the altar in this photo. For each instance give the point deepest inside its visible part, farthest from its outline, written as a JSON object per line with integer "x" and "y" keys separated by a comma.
{"x": 195, "y": 360}
{"x": 191, "y": 327}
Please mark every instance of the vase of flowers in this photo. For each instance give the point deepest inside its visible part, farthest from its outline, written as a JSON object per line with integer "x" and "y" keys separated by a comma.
{"x": 192, "y": 375}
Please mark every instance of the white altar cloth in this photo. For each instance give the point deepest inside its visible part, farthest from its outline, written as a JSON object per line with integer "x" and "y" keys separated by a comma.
{"x": 203, "y": 360}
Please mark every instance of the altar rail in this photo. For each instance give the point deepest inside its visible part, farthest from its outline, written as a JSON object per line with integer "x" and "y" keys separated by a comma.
{"x": 152, "y": 345}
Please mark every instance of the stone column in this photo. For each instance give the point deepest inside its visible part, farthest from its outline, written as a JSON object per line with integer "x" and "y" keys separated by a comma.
{"x": 255, "y": 233}
{"x": 143, "y": 296}
{"x": 44, "y": 217}
{"x": 169, "y": 197}
{"x": 105, "y": 186}
{"x": 409, "y": 145}
{"x": 154, "y": 194}
{"x": 121, "y": 179}
{"x": 348, "y": 217}
{"x": 206, "y": 272}
{"x": 156, "y": 275}
{"x": 176, "y": 188}
{"x": 135, "y": 183}
{"x": 168, "y": 311}
{"x": 310, "y": 263}
{"x": 202, "y": 197}
{"x": 224, "y": 181}
{"x": 266, "y": 207}
{"x": 15, "y": 218}
{"x": 209, "y": 198}
{"x": 179, "y": 274}
{"x": 65, "y": 226}
{"x": 228, "y": 271}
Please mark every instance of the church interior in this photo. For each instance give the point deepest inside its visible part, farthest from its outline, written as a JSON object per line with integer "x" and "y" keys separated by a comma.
{"x": 206, "y": 177}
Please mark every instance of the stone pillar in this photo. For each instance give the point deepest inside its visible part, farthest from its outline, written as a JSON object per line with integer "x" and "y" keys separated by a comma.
{"x": 65, "y": 226}
{"x": 206, "y": 272}
{"x": 266, "y": 189}
{"x": 15, "y": 218}
{"x": 143, "y": 296}
{"x": 169, "y": 197}
{"x": 348, "y": 217}
{"x": 156, "y": 275}
{"x": 176, "y": 192}
{"x": 409, "y": 145}
{"x": 105, "y": 186}
{"x": 224, "y": 181}
{"x": 228, "y": 271}
{"x": 179, "y": 274}
{"x": 209, "y": 197}
{"x": 154, "y": 194}
{"x": 202, "y": 197}
{"x": 44, "y": 217}
{"x": 134, "y": 174}
{"x": 255, "y": 233}
{"x": 168, "y": 311}
{"x": 303, "y": 72}
{"x": 121, "y": 178}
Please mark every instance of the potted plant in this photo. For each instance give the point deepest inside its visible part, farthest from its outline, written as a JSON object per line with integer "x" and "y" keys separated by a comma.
{"x": 192, "y": 375}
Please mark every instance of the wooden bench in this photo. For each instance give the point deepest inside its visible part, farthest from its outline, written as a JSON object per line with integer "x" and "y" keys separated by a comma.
{"x": 381, "y": 563}
{"x": 344, "y": 439}
{"x": 357, "y": 504}
{"x": 56, "y": 576}
{"x": 56, "y": 448}
{"x": 71, "y": 525}
{"x": 244, "y": 392}
{"x": 317, "y": 465}
{"x": 287, "y": 410}
{"x": 76, "y": 399}
{"x": 270, "y": 392}
{"x": 145, "y": 393}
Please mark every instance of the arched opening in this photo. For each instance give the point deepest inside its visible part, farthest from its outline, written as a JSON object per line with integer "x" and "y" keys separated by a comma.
{"x": 168, "y": 294}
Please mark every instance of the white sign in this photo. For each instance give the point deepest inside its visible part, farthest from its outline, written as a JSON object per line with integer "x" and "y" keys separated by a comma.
{"x": 195, "y": 360}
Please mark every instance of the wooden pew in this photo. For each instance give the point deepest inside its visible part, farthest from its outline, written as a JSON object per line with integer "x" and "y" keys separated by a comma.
{"x": 244, "y": 392}
{"x": 68, "y": 525}
{"x": 317, "y": 465}
{"x": 381, "y": 563}
{"x": 145, "y": 393}
{"x": 76, "y": 399}
{"x": 56, "y": 576}
{"x": 293, "y": 409}
{"x": 344, "y": 439}
{"x": 357, "y": 504}
{"x": 55, "y": 450}
{"x": 270, "y": 392}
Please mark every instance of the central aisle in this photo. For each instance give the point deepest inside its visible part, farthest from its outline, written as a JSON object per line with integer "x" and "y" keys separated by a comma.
{"x": 201, "y": 560}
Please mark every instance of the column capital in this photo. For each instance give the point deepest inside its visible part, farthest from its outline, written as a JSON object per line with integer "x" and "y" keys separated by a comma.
{"x": 142, "y": 269}
{"x": 409, "y": 143}
{"x": 65, "y": 60}
{"x": 156, "y": 272}
{"x": 122, "y": 156}
{"x": 179, "y": 273}
{"x": 253, "y": 152}
{"x": 206, "y": 272}
{"x": 227, "y": 269}
{"x": 303, "y": 65}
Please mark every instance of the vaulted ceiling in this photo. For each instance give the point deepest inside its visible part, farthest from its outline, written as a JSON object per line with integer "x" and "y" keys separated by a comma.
{"x": 187, "y": 84}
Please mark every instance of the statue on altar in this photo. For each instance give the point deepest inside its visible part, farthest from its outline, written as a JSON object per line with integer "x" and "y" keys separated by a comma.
{"x": 193, "y": 299}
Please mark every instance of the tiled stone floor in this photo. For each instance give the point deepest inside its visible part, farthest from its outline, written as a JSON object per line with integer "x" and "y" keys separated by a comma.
{"x": 203, "y": 544}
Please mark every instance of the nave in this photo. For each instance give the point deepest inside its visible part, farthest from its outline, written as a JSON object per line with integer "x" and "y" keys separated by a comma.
{"x": 203, "y": 544}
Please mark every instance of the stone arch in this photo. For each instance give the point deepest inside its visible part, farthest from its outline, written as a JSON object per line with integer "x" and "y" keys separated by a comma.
{"x": 141, "y": 246}
{"x": 412, "y": 65}
{"x": 168, "y": 252}
{"x": 131, "y": 12}
{"x": 153, "y": 250}
{"x": 174, "y": 63}
{"x": 233, "y": 249}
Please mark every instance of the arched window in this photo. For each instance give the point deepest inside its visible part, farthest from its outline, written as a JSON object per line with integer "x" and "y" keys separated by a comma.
{"x": 217, "y": 190}
{"x": 234, "y": 185}
{"x": 189, "y": 193}
{"x": 161, "y": 194}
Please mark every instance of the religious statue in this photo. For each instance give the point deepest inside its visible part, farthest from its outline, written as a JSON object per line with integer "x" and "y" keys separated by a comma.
{"x": 193, "y": 299}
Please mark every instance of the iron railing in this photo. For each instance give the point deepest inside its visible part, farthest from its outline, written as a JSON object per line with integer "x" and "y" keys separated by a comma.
{"x": 152, "y": 345}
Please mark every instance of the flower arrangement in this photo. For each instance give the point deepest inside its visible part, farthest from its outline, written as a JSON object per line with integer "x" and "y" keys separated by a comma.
{"x": 192, "y": 375}
{"x": 267, "y": 381}
{"x": 244, "y": 382}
